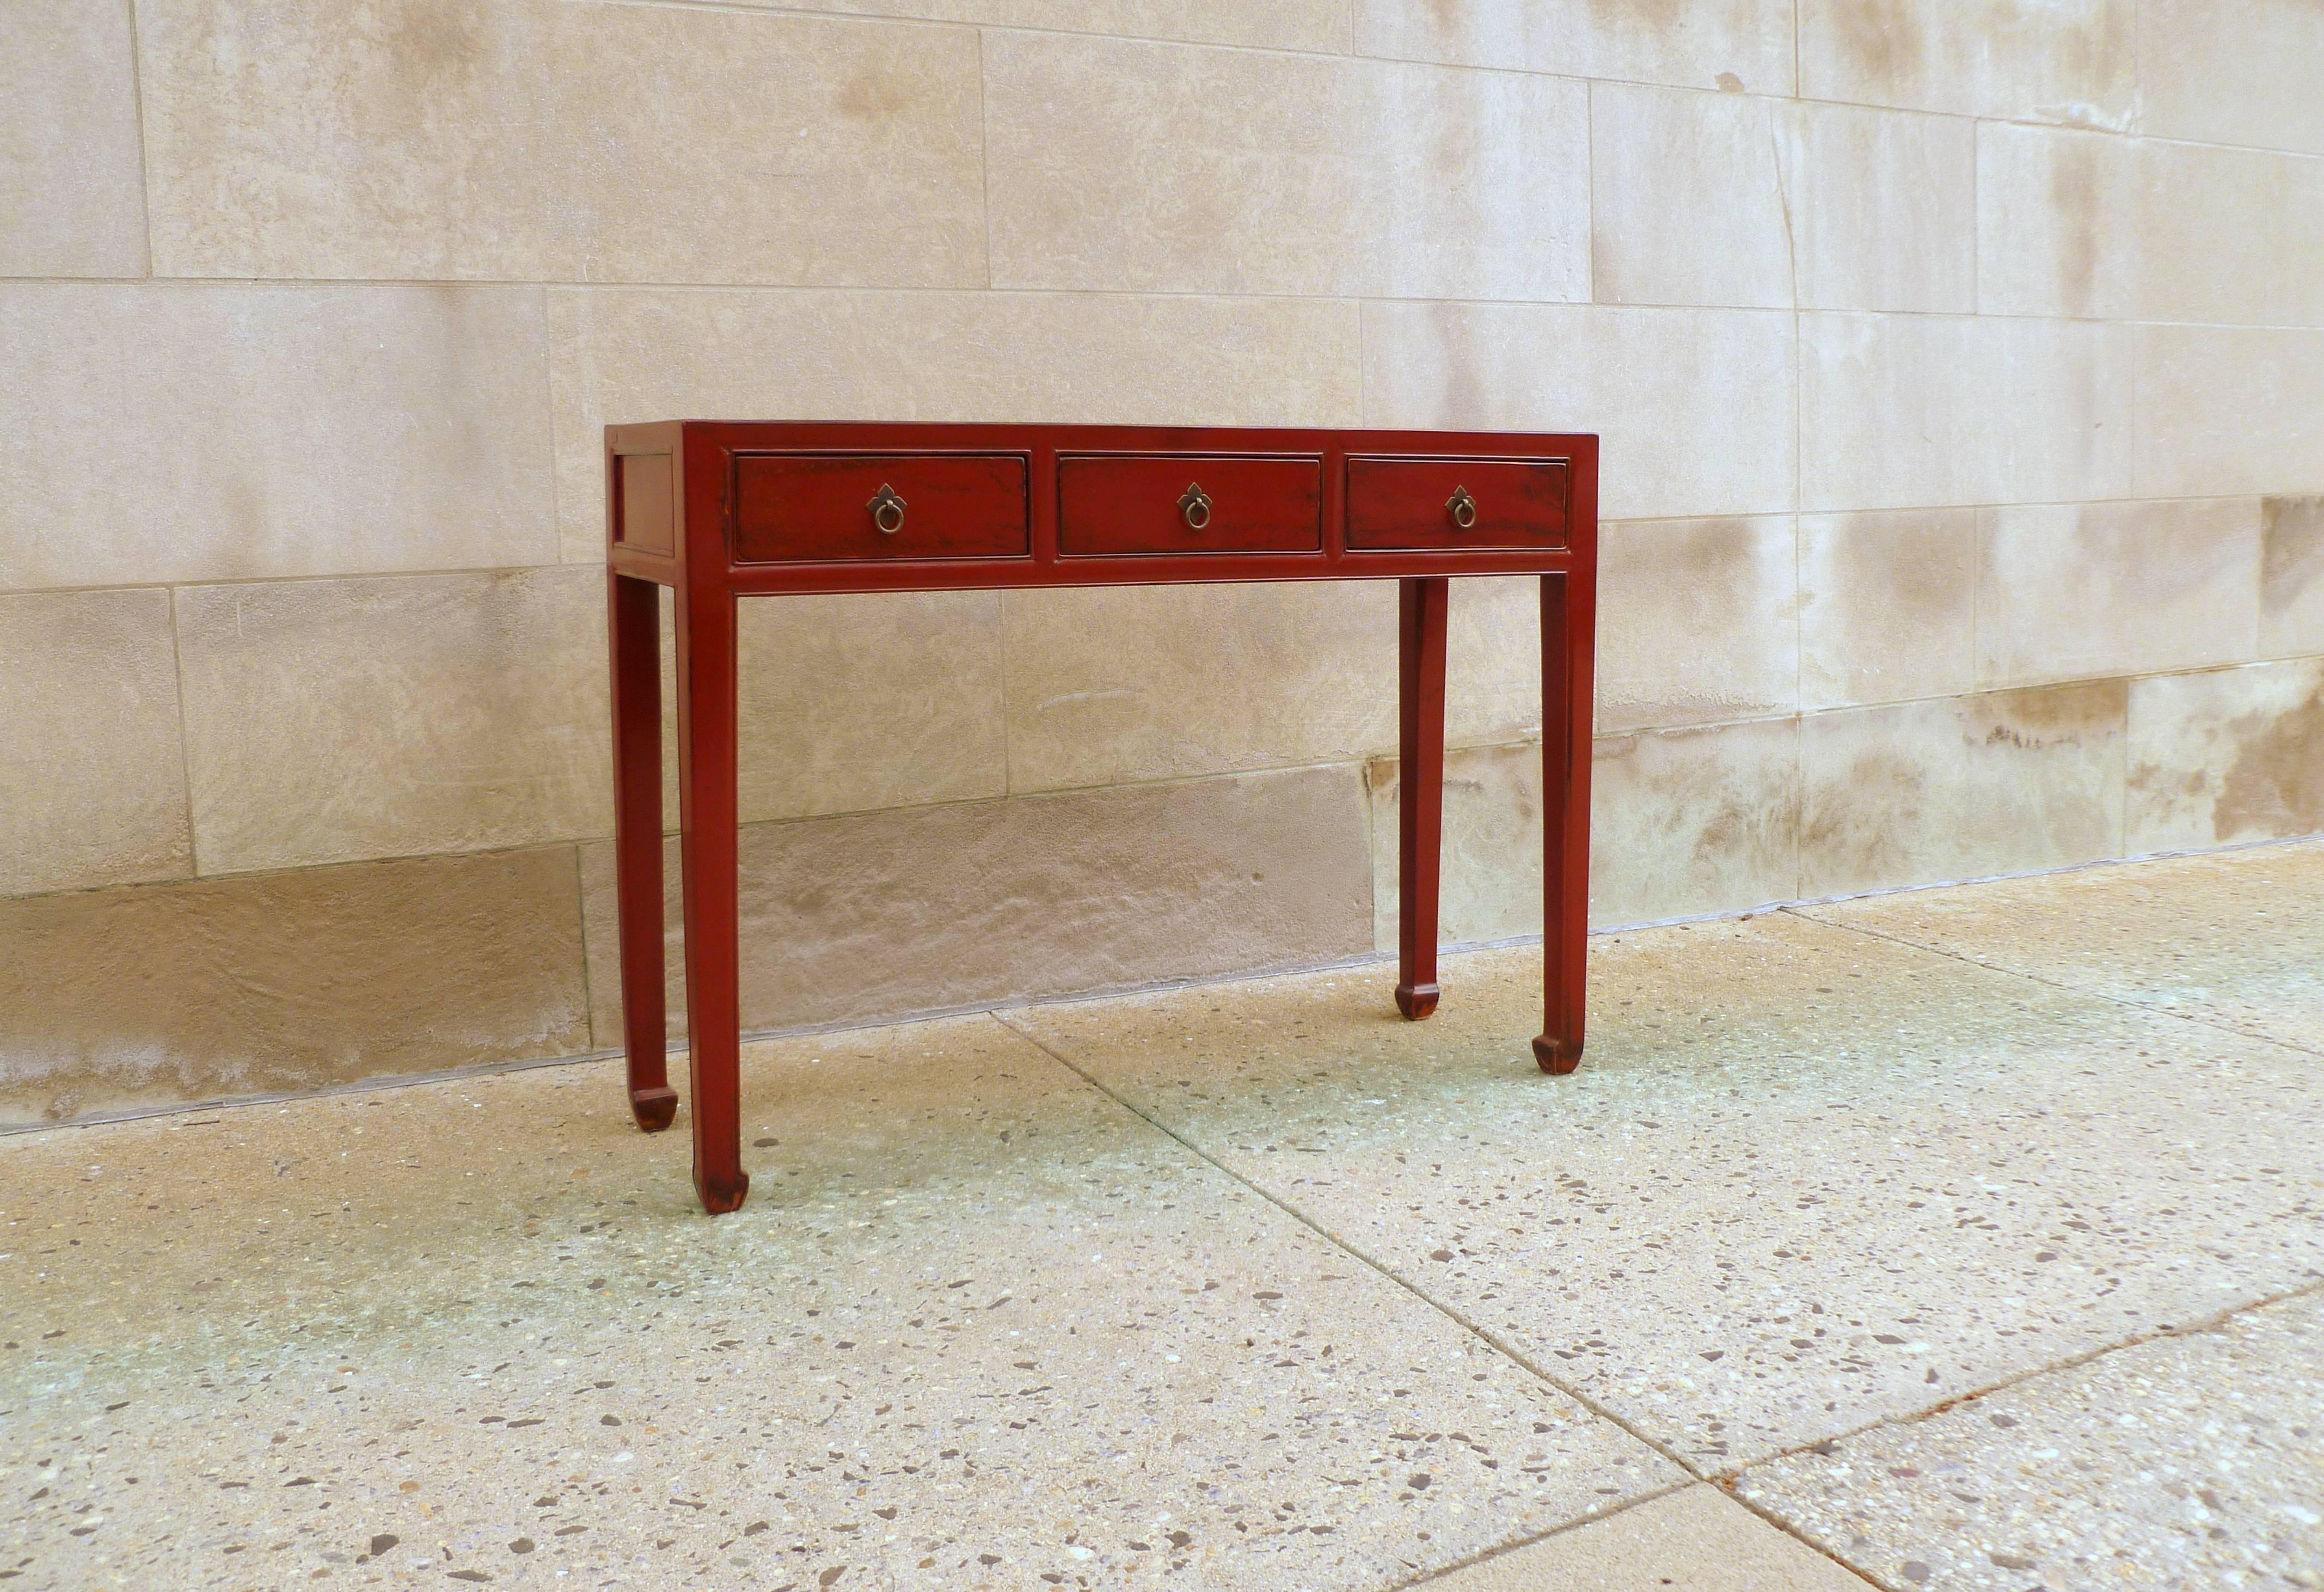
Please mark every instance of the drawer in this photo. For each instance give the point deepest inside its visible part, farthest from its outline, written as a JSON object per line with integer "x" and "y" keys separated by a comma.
{"x": 796, "y": 506}
{"x": 1188, "y": 503}
{"x": 1433, "y": 503}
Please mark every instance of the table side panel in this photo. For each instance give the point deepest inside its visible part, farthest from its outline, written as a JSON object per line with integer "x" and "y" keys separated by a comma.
{"x": 645, "y": 509}
{"x": 646, "y": 499}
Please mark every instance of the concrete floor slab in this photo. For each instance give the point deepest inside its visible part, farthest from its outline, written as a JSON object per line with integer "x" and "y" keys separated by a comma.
{"x": 978, "y": 1326}
{"x": 982, "y": 1326}
{"x": 1806, "y": 1178}
{"x": 2192, "y": 1461}
{"x": 2232, "y": 938}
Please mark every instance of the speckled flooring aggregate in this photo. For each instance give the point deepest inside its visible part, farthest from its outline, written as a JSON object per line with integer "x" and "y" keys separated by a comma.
{"x": 1966, "y": 1238}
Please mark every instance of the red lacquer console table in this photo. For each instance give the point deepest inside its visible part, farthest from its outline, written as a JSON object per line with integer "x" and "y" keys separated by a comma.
{"x": 720, "y": 510}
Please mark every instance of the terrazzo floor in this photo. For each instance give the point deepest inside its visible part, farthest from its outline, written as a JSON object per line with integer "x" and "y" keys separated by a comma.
{"x": 1964, "y": 1239}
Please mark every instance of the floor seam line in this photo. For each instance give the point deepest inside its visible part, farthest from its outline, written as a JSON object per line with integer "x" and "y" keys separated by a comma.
{"x": 2096, "y": 994}
{"x": 1563, "y": 1528}
{"x": 1769, "y": 1518}
{"x": 1780, "y": 1527}
{"x": 1691, "y": 1475}
{"x": 1725, "y": 1480}
{"x": 1482, "y": 1334}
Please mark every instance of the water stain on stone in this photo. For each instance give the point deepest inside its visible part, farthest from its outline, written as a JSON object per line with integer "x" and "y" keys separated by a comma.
{"x": 2127, "y": 539}
{"x": 1730, "y": 584}
{"x": 1653, "y": 18}
{"x": 2073, "y": 202}
{"x": 2090, "y": 46}
{"x": 1882, "y": 42}
{"x": 2292, "y": 564}
{"x": 2276, "y": 784}
{"x": 1886, "y": 601}
{"x": 1725, "y": 815}
{"x": 1734, "y": 828}
{"x": 1922, "y": 572}
{"x": 1862, "y": 817}
{"x": 1710, "y": 549}
{"x": 284, "y": 981}
{"x": 436, "y": 37}
{"x": 435, "y": 51}
{"x": 873, "y": 96}
{"x": 1686, "y": 558}
{"x": 1466, "y": 399}
{"x": 2048, "y": 716}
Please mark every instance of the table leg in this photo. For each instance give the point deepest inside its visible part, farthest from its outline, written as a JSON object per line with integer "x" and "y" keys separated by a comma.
{"x": 635, "y": 633}
{"x": 1566, "y": 626}
{"x": 1420, "y": 761}
{"x": 707, "y": 858}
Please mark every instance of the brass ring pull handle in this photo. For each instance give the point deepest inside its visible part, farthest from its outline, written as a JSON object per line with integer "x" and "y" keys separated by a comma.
{"x": 1194, "y": 505}
{"x": 887, "y": 510}
{"x": 1461, "y": 507}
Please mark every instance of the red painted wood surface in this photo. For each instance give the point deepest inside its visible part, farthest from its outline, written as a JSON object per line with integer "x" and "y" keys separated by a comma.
{"x": 806, "y": 507}
{"x": 1421, "y": 606}
{"x": 707, "y": 839}
{"x": 647, "y": 503}
{"x": 1568, "y": 608}
{"x": 1407, "y": 502}
{"x": 1136, "y": 504}
{"x": 752, "y": 512}
{"x": 636, "y": 647}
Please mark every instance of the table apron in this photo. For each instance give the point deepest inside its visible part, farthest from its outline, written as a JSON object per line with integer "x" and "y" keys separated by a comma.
{"x": 1124, "y": 570}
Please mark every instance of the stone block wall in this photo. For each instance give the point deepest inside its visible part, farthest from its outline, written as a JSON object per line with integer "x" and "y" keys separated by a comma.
{"x": 1960, "y": 369}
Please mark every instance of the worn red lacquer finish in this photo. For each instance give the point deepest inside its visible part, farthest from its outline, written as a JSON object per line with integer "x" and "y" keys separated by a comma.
{"x": 720, "y": 510}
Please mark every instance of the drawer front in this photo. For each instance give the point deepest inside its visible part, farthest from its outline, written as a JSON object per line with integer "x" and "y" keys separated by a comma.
{"x": 790, "y": 507}
{"x": 1451, "y": 503}
{"x": 1188, "y": 503}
